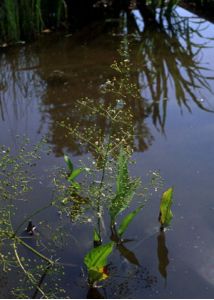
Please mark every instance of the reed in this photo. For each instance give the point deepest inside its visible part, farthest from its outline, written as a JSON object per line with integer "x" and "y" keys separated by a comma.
{"x": 24, "y": 19}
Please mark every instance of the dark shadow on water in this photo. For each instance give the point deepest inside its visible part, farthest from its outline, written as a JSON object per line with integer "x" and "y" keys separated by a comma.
{"x": 162, "y": 253}
{"x": 94, "y": 293}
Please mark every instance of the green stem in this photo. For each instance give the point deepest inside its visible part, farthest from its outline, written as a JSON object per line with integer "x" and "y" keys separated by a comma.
{"x": 101, "y": 185}
{"x": 28, "y": 274}
{"x": 19, "y": 240}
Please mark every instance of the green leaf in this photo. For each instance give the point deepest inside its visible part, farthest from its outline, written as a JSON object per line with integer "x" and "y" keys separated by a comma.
{"x": 97, "y": 274}
{"x": 125, "y": 187}
{"x": 127, "y": 220}
{"x": 75, "y": 184}
{"x": 166, "y": 215}
{"x": 65, "y": 201}
{"x": 96, "y": 236}
{"x": 97, "y": 239}
{"x": 97, "y": 257}
{"x": 69, "y": 163}
{"x": 122, "y": 170}
{"x": 75, "y": 173}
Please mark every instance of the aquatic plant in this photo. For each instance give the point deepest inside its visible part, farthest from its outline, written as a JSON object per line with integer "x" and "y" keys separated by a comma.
{"x": 15, "y": 182}
{"x": 24, "y": 19}
{"x": 100, "y": 192}
{"x": 15, "y": 185}
{"x": 114, "y": 200}
{"x": 96, "y": 259}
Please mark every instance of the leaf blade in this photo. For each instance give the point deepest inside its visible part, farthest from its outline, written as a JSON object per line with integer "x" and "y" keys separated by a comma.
{"x": 97, "y": 257}
{"x": 166, "y": 214}
{"x": 125, "y": 187}
{"x": 127, "y": 220}
{"x": 69, "y": 163}
{"x": 75, "y": 173}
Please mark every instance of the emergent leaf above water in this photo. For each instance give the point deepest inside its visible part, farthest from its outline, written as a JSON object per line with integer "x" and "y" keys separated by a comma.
{"x": 127, "y": 220}
{"x": 166, "y": 215}
{"x": 96, "y": 262}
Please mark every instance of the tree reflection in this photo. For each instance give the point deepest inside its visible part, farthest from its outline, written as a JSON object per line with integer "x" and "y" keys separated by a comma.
{"x": 163, "y": 63}
{"x": 61, "y": 103}
{"x": 20, "y": 84}
{"x": 170, "y": 66}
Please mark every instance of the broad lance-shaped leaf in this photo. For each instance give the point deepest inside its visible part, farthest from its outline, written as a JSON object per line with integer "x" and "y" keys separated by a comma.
{"x": 75, "y": 173}
{"x": 75, "y": 184}
{"x": 97, "y": 257}
{"x": 96, "y": 261}
{"x": 166, "y": 215}
{"x": 127, "y": 220}
{"x": 69, "y": 163}
{"x": 97, "y": 274}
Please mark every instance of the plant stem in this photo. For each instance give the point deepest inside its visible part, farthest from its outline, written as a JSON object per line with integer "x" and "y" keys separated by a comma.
{"x": 28, "y": 274}
{"x": 19, "y": 240}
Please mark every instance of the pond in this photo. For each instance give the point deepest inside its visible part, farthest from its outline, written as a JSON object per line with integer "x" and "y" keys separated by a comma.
{"x": 41, "y": 85}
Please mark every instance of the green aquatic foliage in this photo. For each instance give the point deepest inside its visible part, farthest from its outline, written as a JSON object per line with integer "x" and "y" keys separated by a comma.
{"x": 125, "y": 187}
{"x": 69, "y": 163}
{"x": 11, "y": 19}
{"x": 16, "y": 248}
{"x": 96, "y": 262}
{"x": 24, "y": 19}
{"x": 127, "y": 220}
{"x": 73, "y": 173}
{"x": 166, "y": 215}
{"x": 97, "y": 238}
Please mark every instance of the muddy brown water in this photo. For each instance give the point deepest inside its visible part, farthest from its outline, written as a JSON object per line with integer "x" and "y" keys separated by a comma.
{"x": 39, "y": 86}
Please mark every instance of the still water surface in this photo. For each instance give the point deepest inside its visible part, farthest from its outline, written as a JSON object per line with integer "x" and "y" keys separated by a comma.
{"x": 174, "y": 68}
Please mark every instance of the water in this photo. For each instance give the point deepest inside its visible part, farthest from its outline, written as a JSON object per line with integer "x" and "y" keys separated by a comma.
{"x": 40, "y": 84}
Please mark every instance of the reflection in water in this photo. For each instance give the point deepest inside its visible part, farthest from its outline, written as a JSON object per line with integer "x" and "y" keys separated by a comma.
{"x": 167, "y": 66}
{"x": 94, "y": 293}
{"x": 41, "y": 281}
{"x": 20, "y": 82}
{"x": 170, "y": 66}
{"x": 128, "y": 254}
{"x": 162, "y": 252}
{"x": 138, "y": 280}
